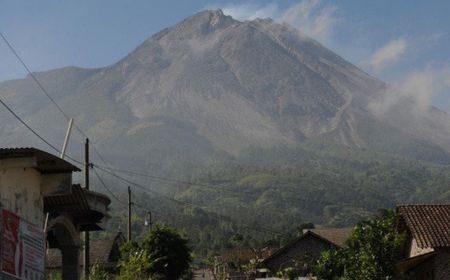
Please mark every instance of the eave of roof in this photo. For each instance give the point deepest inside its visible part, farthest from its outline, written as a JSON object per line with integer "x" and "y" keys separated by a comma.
{"x": 429, "y": 224}
{"x": 99, "y": 254}
{"x": 410, "y": 263}
{"x": 46, "y": 162}
{"x": 307, "y": 234}
{"x": 87, "y": 215}
{"x": 337, "y": 236}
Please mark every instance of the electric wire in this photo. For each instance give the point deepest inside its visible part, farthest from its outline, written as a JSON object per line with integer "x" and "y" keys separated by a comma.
{"x": 104, "y": 169}
{"x": 182, "y": 203}
{"x": 226, "y": 188}
{"x": 46, "y": 93}
{"x": 32, "y": 75}
{"x": 108, "y": 189}
{"x": 35, "y": 133}
{"x": 165, "y": 179}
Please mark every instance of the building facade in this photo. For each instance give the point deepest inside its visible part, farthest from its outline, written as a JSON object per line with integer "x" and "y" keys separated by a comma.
{"x": 305, "y": 250}
{"x": 427, "y": 231}
{"x": 35, "y": 185}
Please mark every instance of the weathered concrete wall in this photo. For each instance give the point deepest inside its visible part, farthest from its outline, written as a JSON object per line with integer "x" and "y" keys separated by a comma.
{"x": 442, "y": 263}
{"x": 56, "y": 183}
{"x": 22, "y": 188}
{"x": 20, "y": 192}
{"x": 416, "y": 250}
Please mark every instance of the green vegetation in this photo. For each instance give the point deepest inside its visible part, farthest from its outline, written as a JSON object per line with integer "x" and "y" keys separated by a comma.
{"x": 267, "y": 194}
{"x": 162, "y": 254}
{"x": 371, "y": 254}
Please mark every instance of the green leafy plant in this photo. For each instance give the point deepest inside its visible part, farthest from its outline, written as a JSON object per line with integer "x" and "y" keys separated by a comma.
{"x": 162, "y": 254}
{"x": 371, "y": 254}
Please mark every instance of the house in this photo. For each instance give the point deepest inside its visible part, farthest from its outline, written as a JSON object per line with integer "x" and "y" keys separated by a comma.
{"x": 427, "y": 232}
{"x": 35, "y": 185}
{"x": 104, "y": 253}
{"x": 306, "y": 249}
{"x": 235, "y": 262}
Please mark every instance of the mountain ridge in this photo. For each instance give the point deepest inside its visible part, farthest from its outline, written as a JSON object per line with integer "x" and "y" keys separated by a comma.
{"x": 217, "y": 86}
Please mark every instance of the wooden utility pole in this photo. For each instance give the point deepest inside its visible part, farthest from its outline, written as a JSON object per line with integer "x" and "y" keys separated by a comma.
{"x": 86, "y": 233}
{"x": 129, "y": 213}
{"x": 150, "y": 222}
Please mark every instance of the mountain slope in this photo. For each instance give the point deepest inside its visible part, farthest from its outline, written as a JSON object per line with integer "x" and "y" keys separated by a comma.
{"x": 210, "y": 88}
{"x": 219, "y": 86}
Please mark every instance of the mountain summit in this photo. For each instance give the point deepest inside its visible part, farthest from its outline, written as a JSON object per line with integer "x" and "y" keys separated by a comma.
{"x": 212, "y": 87}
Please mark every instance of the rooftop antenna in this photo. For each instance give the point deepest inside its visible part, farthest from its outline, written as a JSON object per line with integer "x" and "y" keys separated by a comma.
{"x": 66, "y": 140}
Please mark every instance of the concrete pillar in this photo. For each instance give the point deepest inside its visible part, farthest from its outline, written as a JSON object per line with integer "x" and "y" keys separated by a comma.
{"x": 70, "y": 262}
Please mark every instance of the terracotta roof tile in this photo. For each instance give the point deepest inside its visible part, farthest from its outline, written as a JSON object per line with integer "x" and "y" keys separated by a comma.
{"x": 334, "y": 236}
{"x": 338, "y": 236}
{"x": 428, "y": 224}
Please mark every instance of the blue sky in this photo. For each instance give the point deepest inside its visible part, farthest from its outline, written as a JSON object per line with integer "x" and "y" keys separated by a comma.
{"x": 402, "y": 42}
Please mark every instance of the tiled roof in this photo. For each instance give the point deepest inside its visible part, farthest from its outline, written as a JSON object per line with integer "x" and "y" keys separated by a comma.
{"x": 407, "y": 264}
{"x": 45, "y": 162}
{"x": 428, "y": 224}
{"x": 337, "y": 236}
{"x": 332, "y": 236}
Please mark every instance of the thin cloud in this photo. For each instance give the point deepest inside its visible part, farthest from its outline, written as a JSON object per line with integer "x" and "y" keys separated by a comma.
{"x": 418, "y": 88}
{"x": 251, "y": 11}
{"x": 388, "y": 54}
{"x": 310, "y": 16}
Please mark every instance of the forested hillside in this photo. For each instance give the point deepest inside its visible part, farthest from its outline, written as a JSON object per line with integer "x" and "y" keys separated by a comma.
{"x": 269, "y": 199}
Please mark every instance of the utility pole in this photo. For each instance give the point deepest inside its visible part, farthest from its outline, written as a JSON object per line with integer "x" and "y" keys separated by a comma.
{"x": 129, "y": 214}
{"x": 148, "y": 221}
{"x": 86, "y": 233}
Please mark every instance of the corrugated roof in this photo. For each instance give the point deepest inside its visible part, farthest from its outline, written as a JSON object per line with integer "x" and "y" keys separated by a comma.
{"x": 77, "y": 205}
{"x": 46, "y": 162}
{"x": 73, "y": 202}
{"x": 429, "y": 224}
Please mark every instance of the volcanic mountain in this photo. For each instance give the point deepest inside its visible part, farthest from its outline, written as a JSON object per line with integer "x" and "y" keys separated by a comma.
{"x": 212, "y": 87}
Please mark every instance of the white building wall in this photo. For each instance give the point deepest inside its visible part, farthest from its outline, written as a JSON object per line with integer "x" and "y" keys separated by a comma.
{"x": 415, "y": 250}
{"x": 20, "y": 192}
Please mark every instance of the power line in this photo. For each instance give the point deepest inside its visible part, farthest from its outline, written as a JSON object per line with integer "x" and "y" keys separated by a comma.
{"x": 85, "y": 135}
{"x": 107, "y": 189}
{"x": 165, "y": 179}
{"x": 32, "y": 75}
{"x": 34, "y": 132}
{"x": 209, "y": 186}
{"x": 115, "y": 196}
{"x": 259, "y": 229}
{"x": 36, "y": 80}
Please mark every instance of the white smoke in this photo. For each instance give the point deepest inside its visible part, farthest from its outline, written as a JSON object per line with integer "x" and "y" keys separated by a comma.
{"x": 251, "y": 11}
{"x": 312, "y": 17}
{"x": 418, "y": 88}
{"x": 388, "y": 54}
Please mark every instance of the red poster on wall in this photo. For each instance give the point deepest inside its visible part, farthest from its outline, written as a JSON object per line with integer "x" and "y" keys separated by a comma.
{"x": 22, "y": 248}
{"x": 10, "y": 235}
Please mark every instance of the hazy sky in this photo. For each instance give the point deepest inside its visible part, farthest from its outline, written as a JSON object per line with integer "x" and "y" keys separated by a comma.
{"x": 406, "y": 43}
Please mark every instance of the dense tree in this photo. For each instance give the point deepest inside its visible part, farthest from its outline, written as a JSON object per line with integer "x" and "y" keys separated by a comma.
{"x": 283, "y": 190}
{"x": 371, "y": 254}
{"x": 168, "y": 252}
{"x": 162, "y": 254}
